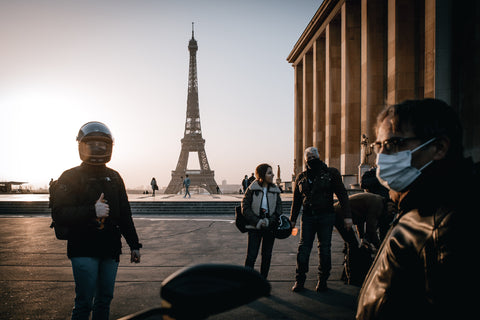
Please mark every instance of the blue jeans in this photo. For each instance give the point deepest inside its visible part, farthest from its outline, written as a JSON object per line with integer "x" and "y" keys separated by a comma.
{"x": 94, "y": 284}
{"x": 266, "y": 238}
{"x": 187, "y": 192}
{"x": 322, "y": 226}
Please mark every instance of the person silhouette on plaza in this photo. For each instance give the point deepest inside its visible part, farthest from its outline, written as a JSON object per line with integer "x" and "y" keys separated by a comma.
{"x": 154, "y": 185}
{"x": 251, "y": 179}
{"x": 245, "y": 183}
{"x": 186, "y": 184}
{"x": 92, "y": 202}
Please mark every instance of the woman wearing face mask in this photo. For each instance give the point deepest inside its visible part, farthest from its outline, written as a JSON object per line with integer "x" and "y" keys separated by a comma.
{"x": 261, "y": 206}
{"x": 417, "y": 273}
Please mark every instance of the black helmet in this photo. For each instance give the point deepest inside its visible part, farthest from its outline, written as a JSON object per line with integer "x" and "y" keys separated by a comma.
{"x": 95, "y": 143}
{"x": 284, "y": 228}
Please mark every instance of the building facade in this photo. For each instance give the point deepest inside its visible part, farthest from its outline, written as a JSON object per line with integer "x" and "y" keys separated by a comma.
{"x": 357, "y": 56}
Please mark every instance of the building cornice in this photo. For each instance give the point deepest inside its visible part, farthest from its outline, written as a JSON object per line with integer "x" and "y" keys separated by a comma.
{"x": 315, "y": 24}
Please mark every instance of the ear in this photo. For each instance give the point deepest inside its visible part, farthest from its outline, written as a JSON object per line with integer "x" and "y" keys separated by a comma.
{"x": 442, "y": 145}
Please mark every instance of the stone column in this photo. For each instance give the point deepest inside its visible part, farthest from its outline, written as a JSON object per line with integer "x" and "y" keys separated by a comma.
{"x": 332, "y": 93}
{"x": 319, "y": 94}
{"x": 373, "y": 66}
{"x": 298, "y": 115}
{"x": 443, "y": 48}
{"x": 429, "y": 49}
{"x": 401, "y": 51}
{"x": 465, "y": 68}
{"x": 308, "y": 100}
{"x": 350, "y": 87}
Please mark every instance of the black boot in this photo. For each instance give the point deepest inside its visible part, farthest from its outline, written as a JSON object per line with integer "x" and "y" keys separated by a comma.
{"x": 321, "y": 286}
{"x": 298, "y": 286}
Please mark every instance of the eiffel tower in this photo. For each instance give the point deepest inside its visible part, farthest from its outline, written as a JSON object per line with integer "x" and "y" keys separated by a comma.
{"x": 192, "y": 139}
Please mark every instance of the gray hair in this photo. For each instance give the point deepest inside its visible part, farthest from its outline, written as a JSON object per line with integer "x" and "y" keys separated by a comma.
{"x": 311, "y": 150}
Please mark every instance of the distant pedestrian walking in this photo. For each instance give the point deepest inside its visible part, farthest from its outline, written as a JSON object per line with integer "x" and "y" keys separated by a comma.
{"x": 261, "y": 206}
{"x": 251, "y": 179}
{"x": 154, "y": 185}
{"x": 186, "y": 184}
{"x": 245, "y": 184}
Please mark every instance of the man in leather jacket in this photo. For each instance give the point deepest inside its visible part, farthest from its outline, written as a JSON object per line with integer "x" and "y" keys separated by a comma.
{"x": 314, "y": 189}
{"x": 92, "y": 202}
{"x": 419, "y": 270}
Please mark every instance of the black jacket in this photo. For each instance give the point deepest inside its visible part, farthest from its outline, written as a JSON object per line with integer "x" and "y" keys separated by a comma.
{"x": 74, "y": 201}
{"x": 371, "y": 184}
{"x": 314, "y": 191}
{"x": 424, "y": 269}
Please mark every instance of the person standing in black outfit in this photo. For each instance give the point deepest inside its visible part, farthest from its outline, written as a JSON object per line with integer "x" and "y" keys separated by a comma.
{"x": 314, "y": 189}
{"x": 154, "y": 185}
{"x": 92, "y": 202}
{"x": 245, "y": 184}
{"x": 251, "y": 179}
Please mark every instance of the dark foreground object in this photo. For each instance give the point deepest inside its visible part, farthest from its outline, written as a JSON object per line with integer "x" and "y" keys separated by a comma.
{"x": 202, "y": 290}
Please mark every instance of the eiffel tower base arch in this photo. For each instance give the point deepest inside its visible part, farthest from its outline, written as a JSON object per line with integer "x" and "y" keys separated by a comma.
{"x": 198, "y": 178}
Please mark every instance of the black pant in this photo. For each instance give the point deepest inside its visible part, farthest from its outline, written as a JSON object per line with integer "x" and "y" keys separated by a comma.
{"x": 322, "y": 226}
{"x": 254, "y": 239}
{"x": 347, "y": 235}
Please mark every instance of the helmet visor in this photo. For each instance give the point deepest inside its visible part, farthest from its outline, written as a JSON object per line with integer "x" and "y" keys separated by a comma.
{"x": 96, "y": 150}
{"x": 94, "y": 128}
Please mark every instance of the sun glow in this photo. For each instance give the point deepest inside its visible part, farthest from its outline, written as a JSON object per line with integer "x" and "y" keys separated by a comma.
{"x": 65, "y": 63}
{"x": 36, "y": 133}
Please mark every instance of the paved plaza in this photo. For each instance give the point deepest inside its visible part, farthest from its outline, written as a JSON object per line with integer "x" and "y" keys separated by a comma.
{"x": 36, "y": 279}
{"x": 136, "y": 197}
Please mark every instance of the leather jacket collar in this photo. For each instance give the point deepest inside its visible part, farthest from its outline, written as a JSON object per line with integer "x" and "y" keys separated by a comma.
{"x": 441, "y": 183}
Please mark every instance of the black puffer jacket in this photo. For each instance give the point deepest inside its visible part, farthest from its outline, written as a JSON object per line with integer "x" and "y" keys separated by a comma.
{"x": 78, "y": 190}
{"x": 422, "y": 270}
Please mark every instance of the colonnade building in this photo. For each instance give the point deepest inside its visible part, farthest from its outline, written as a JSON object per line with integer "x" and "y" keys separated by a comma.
{"x": 357, "y": 56}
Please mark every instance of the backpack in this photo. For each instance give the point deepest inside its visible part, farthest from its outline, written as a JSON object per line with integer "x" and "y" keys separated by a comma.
{"x": 61, "y": 231}
{"x": 356, "y": 264}
{"x": 240, "y": 220}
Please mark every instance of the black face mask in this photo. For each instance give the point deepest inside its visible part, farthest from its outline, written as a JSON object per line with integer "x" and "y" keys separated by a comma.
{"x": 314, "y": 164}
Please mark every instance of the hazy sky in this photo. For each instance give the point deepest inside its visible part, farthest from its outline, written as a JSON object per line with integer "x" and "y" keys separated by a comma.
{"x": 125, "y": 63}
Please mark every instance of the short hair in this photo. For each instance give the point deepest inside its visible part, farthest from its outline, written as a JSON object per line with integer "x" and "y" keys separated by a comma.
{"x": 427, "y": 118}
{"x": 312, "y": 150}
{"x": 261, "y": 171}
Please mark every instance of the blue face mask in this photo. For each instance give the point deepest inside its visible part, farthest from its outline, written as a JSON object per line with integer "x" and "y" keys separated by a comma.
{"x": 395, "y": 171}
